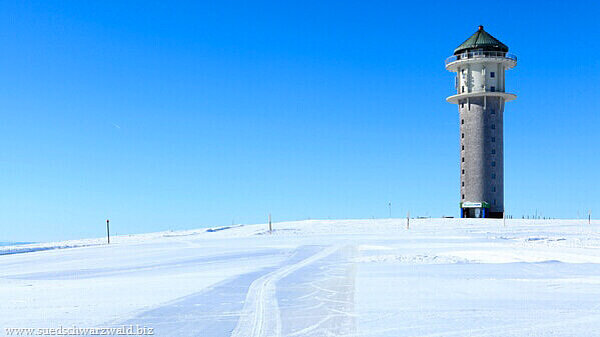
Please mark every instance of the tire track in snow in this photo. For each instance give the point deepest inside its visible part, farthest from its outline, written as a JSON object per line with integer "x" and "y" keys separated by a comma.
{"x": 260, "y": 315}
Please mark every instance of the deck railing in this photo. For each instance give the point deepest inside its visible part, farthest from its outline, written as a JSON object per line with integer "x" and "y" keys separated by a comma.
{"x": 482, "y": 54}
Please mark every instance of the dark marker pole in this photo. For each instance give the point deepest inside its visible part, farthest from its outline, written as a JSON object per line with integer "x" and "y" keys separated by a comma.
{"x": 107, "y": 231}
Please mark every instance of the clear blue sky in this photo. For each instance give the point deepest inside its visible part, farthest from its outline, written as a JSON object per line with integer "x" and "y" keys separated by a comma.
{"x": 174, "y": 115}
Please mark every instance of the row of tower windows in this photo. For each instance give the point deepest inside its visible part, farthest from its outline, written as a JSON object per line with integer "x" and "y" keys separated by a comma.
{"x": 493, "y": 176}
{"x": 462, "y": 121}
{"x": 492, "y": 74}
{"x": 462, "y": 106}
{"x": 493, "y": 189}
{"x": 462, "y": 135}
{"x": 492, "y": 89}
{"x": 493, "y": 202}
{"x": 463, "y": 198}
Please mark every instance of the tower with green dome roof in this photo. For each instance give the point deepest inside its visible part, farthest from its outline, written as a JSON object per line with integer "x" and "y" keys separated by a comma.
{"x": 480, "y": 63}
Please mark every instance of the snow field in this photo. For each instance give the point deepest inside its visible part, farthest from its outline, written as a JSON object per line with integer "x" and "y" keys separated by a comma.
{"x": 443, "y": 277}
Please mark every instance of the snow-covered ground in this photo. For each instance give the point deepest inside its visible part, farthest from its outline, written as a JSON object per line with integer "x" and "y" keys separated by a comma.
{"x": 441, "y": 277}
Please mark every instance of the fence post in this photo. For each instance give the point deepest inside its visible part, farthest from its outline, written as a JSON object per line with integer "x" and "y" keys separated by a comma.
{"x": 107, "y": 231}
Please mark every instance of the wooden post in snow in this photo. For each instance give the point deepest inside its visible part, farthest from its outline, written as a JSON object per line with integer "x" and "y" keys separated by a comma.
{"x": 270, "y": 226}
{"x": 408, "y": 220}
{"x": 107, "y": 231}
{"x": 590, "y": 217}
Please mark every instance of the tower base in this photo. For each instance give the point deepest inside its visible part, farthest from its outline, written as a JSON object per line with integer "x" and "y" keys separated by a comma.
{"x": 480, "y": 212}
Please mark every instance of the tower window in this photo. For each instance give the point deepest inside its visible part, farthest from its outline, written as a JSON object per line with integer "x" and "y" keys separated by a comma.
{"x": 463, "y": 159}
{"x": 492, "y": 74}
{"x": 493, "y": 126}
{"x": 493, "y": 89}
{"x": 463, "y": 88}
{"x": 462, "y": 121}
{"x": 463, "y": 197}
{"x": 494, "y": 189}
{"x": 462, "y": 147}
{"x": 463, "y": 184}
{"x": 462, "y": 105}
{"x": 493, "y": 112}
{"x": 493, "y": 139}
{"x": 493, "y": 175}
{"x": 493, "y": 151}
{"x": 463, "y": 171}
{"x": 462, "y": 135}
{"x": 494, "y": 202}
{"x": 493, "y": 164}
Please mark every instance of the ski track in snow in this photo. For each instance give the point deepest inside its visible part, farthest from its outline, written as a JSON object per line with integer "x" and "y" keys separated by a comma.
{"x": 261, "y": 315}
{"x": 250, "y": 304}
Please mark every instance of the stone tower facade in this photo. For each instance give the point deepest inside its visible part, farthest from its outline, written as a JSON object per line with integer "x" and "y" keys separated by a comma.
{"x": 479, "y": 64}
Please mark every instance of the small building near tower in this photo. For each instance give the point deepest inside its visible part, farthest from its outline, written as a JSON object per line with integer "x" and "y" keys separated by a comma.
{"x": 480, "y": 63}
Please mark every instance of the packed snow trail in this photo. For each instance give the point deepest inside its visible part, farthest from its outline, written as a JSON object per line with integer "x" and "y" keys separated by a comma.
{"x": 261, "y": 316}
{"x": 318, "y": 299}
{"x": 213, "y": 311}
{"x": 315, "y": 283}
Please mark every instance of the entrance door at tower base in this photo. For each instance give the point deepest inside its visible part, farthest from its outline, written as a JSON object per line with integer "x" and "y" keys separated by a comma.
{"x": 475, "y": 210}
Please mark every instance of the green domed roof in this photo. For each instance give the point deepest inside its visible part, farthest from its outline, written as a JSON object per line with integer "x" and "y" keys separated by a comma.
{"x": 481, "y": 40}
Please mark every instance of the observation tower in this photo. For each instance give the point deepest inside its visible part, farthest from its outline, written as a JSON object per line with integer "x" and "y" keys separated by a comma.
{"x": 479, "y": 64}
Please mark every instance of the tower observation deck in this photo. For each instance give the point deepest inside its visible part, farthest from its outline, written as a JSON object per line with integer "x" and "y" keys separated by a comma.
{"x": 479, "y": 64}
